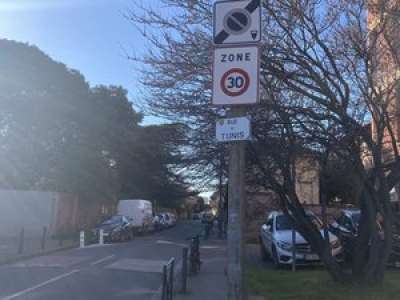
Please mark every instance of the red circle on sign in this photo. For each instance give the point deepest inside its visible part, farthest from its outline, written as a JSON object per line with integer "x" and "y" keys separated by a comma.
{"x": 242, "y": 89}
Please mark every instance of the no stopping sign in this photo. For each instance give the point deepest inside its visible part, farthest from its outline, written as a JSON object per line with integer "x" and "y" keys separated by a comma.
{"x": 235, "y": 82}
{"x": 236, "y": 75}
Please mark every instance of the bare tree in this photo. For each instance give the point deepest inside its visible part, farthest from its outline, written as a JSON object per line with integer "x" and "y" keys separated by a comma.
{"x": 329, "y": 72}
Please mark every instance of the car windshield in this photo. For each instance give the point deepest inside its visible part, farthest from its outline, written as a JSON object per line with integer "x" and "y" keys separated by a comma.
{"x": 113, "y": 220}
{"x": 284, "y": 223}
{"x": 356, "y": 218}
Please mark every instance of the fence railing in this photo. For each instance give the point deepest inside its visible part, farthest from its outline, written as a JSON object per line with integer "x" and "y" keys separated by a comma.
{"x": 168, "y": 280}
{"x": 31, "y": 241}
{"x": 190, "y": 265}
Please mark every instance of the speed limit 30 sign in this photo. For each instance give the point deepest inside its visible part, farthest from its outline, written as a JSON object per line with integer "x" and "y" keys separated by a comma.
{"x": 236, "y": 75}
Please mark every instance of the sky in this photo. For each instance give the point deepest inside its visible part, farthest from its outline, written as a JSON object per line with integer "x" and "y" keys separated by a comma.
{"x": 92, "y": 36}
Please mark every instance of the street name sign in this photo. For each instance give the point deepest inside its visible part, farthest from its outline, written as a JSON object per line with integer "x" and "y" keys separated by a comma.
{"x": 233, "y": 129}
{"x": 237, "y": 22}
{"x": 236, "y": 75}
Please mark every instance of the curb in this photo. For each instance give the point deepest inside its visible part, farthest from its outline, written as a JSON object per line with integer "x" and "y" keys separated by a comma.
{"x": 22, "y": 257}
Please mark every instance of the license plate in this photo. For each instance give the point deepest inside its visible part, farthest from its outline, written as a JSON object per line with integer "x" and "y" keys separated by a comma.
{"x": 311, "y": 257}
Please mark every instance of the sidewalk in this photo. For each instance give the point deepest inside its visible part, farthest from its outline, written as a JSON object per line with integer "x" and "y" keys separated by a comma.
{"x": 32, "y": 246}
{"x": 210, "y": 283}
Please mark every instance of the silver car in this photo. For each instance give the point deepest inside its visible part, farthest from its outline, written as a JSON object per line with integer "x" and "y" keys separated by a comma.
{"x": 276, "y": 241}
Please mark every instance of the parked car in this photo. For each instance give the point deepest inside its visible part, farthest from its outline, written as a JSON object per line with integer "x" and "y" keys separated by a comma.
{"x": 117, "y": 228}
{"x": 169, "y": 220}
{"x": 172, "y": 219}
{"x": 141, "y": 211}
{"x": 160, "y": 222}
{"x": 346, "y": 227}
{"x": 157, "y": 222}
{"x": 276, "y": 241}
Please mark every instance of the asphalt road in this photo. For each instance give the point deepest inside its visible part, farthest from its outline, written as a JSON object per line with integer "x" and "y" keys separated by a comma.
{"x": 130, "y": 270}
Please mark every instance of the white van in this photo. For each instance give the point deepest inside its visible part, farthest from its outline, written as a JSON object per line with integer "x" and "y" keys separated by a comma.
{"x": 140, "y": 211}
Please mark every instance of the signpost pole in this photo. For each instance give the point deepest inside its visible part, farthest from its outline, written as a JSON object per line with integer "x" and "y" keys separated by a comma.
{"x": 236, "y": 81}
{"x": 236, "y": 218}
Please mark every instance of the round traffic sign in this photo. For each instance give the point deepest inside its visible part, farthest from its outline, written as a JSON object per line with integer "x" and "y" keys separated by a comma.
{"x": 235, "y": 82}
{"x": 237, "y": 21}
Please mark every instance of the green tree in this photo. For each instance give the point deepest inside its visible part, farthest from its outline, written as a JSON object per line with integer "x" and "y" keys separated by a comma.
{"x": 57, "y": 133}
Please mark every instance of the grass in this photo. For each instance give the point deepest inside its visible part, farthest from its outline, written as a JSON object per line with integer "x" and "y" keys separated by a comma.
{"x": 316, "y": 285}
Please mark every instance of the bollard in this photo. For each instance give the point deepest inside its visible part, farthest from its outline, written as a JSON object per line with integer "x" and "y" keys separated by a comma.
{"x": 43, "y": 244}
{"x": 82, "y": 239}
{"x": 185, "y": 252}
{"x": 164, "y": 295}
{"x": 21, "y": 241}
{"x": 167, "y": 291}
{"x": 171, "y": 280}
{"x": 101, "y": 237}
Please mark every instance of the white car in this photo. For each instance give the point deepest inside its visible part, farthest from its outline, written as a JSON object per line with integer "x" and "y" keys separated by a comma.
{"x": 276, "y": 241}
{"x": 169, "y": 218}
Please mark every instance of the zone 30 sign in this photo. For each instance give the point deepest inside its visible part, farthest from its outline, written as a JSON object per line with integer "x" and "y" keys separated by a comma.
{"x": 236, "y": 75}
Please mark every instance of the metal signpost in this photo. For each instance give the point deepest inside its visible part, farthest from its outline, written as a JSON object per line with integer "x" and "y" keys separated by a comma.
{"x": 236, "y": 67}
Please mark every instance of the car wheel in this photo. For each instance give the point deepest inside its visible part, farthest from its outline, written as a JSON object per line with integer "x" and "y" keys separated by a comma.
{"x": 263, "y": 252}
{"x": 275, "y": 258}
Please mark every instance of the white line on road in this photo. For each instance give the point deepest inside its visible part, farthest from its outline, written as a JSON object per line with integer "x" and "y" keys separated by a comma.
{"x": 28, "y": 290}
{"x": 170, "y": 243}
{"x": 102, "y": 260}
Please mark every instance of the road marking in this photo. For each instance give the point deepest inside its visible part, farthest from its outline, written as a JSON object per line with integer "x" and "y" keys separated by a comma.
{"x": 212, "y": 247}
{"x": 102, "y": 260}
{"x": 52, "y": 261}
{"x": 170, "y": 243}
{"x": 28, "y": 290}
{"x": 138, "y": 265}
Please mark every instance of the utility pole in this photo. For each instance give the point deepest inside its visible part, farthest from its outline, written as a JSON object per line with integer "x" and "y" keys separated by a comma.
{"x": 236, "y": 83}
{"x": 236, "y": 219}
{"x": 221, "y": 196}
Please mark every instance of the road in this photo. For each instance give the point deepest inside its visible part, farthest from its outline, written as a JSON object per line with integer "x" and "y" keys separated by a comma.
{"x": 130, "y": 270}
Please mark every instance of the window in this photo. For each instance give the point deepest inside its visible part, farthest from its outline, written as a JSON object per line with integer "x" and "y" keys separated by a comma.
{"x": 347, "y": 223}
{"x": 270, "y": 223}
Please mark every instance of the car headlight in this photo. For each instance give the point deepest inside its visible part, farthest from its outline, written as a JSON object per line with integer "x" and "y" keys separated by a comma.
{"x": 335, "y": 244}
{"x": 284, "y": 245}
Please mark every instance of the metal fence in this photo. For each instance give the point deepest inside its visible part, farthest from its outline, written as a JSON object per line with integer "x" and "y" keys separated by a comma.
{"x": 27, "y": 242}
{"x": 168, "y": 280}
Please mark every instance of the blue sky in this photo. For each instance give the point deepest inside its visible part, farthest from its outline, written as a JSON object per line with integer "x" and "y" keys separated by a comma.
{"x": 88, "y": 35}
